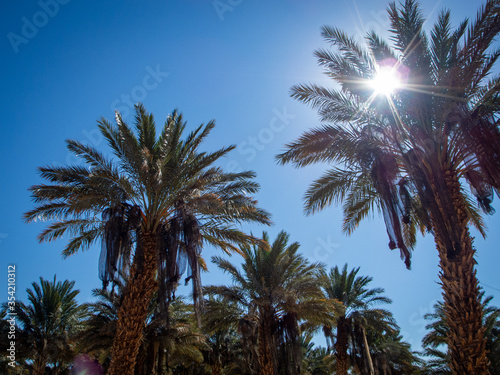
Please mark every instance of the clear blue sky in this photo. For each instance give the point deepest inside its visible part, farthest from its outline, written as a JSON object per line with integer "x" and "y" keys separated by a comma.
{"x": 65, "y": 65}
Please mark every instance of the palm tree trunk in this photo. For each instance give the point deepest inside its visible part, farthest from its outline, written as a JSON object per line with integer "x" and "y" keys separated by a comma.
{"x": 341, "y": 346}
{"x": 133, "y": 311}
{"x": 367, "y": 351}
{"x": 266, "y": 357}
{"x": 464, "y": 314}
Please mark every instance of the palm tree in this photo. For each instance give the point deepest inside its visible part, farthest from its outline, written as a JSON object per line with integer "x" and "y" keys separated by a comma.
{"x": 435, "y": 340}
{"x": 276, "y": 290}
{"x": 153, "y": 205}
{"x": 172, "y": 343}
{"x": 410, "y": 153}
{"x": 356, "y": 315}
{"x": 317, "y": 360}
{"x": 47, "y": 325}
{"x": 99, "y": 329}
{"x": 226, "y": 318}
{"x": 391, "y": 355}
{"x": 225, "y": 353}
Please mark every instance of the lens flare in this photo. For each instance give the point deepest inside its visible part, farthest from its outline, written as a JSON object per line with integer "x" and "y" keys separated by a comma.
{"x": 84, "y": 365}
{"x": 385, "y": 82}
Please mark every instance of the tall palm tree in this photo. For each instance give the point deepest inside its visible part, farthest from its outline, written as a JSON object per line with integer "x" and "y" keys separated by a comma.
{"x": 47, "y": 325}
{"x": 435, "y": 343}
{"x": 152, "y": 205}
{"x": 410, "y": 153}
{"x": 276, "y": 289}
{"x": 357, "y": 314}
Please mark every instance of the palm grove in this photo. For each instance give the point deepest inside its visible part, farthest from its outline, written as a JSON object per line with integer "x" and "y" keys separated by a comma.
{"x": 408, "y": 153}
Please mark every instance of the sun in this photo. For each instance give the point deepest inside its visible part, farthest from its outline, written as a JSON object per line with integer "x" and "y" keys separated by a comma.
{"x": 385, "y": 82}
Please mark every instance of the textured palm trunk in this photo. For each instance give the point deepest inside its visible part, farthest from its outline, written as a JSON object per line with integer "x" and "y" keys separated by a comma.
{"x": 341, "y": 347}
{"x": 266, "y": 357}
{"x": 464, "y": 314}
{"x": 133, "y": 311}
{"x": 368, "y": 356}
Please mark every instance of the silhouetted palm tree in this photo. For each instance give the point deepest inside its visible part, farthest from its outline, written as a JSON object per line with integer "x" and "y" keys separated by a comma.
{"x": 317, "y": 360}
{"x": 410, "y": 154}
{"x": 390, "y": 354}
{"x": 170, "y": 344}
{"x": 12, "y": 365}
{"x": 356, "y": 315}
{"x": 47, "y": 326}
{"x": 276, "y": 290}
{"x": 153, "y": 206}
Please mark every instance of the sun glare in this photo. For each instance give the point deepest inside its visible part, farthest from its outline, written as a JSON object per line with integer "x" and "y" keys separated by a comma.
{"x": 385, "y": 82}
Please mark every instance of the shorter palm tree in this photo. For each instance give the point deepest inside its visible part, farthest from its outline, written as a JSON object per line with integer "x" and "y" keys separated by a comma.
{"x": 99, "y": 329}
{"x": 225, "y": 354}
{"x": 48, "y": 324}
{"x": 9, "y": 365}
{"x": 170, "y": 343}
{"x": 226, "y": 318}
{"x": 276, "y": 290}
{"x": 356, "y": 316}
{"x": 317, "y": 360}
{"x": 390, "y": 354}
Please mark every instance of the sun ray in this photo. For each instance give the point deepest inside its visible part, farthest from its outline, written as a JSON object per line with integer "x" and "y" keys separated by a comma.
{"x": 386, "y": 81}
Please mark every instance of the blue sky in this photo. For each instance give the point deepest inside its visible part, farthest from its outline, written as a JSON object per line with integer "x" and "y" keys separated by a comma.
{"x": 67, "y": 63}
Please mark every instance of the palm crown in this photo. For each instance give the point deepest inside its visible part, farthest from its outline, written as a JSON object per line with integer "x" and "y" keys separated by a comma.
{"x": 48, "y": 324}
{"x": 409, "y": 152}
{"x": 357, "y": 313}
{"x": 153, "y": 205}
{"x": 154, "y": 184}
{"x": 390, "y": 148}
{"x": 275, "y": 290}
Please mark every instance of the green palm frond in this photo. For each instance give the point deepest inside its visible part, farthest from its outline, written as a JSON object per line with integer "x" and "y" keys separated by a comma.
{"x": 151, "y": 181}
{"x": 275, "y": 285}
{"x": 381, "y": 151}
{"x": 332, "y": 187}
